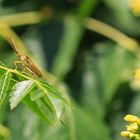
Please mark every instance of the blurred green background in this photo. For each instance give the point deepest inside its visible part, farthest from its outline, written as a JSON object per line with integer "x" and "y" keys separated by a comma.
{"x": 91, "y": 46}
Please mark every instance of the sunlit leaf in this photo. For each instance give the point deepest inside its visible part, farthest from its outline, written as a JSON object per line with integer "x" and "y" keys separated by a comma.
{"x": 58, "y": 106}
{"x": 21, "y": 89}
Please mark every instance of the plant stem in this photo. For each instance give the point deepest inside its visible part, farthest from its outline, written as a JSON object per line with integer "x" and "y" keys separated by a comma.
{"x": 90, "y": 23}
{"x": 16, "y": 72}
{"x": 22, "y": 18}
{"x": 112, "y": 33}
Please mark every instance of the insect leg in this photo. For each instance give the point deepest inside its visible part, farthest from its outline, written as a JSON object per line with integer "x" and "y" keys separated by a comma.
{"x": 17, "y": 62}
{"x": 23, "y": 67}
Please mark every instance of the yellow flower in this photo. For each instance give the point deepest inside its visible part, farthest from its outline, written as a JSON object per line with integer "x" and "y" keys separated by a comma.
{"x": 125, "y": 133}
{"x": 133, "y": 129}
{"x": 137, "y": 74}
{"x": 135, "y": 6}
{"x": 131, "y": 118}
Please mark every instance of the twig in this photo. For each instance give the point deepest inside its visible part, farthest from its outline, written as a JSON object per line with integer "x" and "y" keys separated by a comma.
{"x": 112, "y": 33}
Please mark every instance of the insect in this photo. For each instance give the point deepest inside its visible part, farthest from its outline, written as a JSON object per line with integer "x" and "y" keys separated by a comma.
{"x": 25, "y": 61}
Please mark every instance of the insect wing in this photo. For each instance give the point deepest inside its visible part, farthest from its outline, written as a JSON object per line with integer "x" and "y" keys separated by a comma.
{"x": 32, "y": 67}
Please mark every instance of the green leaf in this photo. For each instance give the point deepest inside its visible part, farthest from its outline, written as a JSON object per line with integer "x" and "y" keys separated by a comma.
{"x": 36, "y": 108}
{"x": 21, "y": 89}
{"x": 1, "y": 70}
{"x": 4, "y": 85}
{"x": 36, "y": 94}
{"x": 52, "y": 91}
{"x": 55, "y": 101}
{"x": 52, "y": 107}
{"x": 80, "y": 125}
{"x": 115, "y": 66}
{"x": 68, "y": 47}
{"x": 58, "y": 106}
{"x": 86, "y": 7}
{"x": 43, "y": 104}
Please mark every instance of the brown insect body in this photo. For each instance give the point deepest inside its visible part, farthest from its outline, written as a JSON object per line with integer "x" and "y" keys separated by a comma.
{"x": 26, "y": 62}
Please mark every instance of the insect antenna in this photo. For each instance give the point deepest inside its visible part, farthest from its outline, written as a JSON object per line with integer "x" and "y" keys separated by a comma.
{"x": 13, "y": 45}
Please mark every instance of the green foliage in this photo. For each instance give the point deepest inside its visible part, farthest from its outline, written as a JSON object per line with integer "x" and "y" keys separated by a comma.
{"x": 90, "y": 50}
{"x": 4, "y": 85}
{"x": 68, "y": 47}
{"x": 38, "y": 95}
{"x": 21, "y": 89}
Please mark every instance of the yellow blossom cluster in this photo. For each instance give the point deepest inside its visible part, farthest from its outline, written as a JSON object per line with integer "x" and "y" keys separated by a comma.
{"x": 135, "y": 6}
{"x": 133, "y": 129}
{"x": 137, "y": 74}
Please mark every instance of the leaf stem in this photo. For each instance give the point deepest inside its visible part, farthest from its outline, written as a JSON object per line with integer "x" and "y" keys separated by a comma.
{"x": 16, "y": 72}
{"x": 112, "y": 33}
{"x": 22, "y": 18}
{"x": 90, "y": 23}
